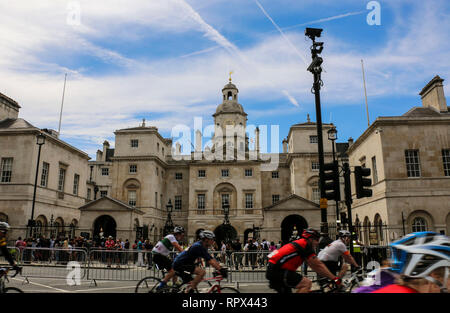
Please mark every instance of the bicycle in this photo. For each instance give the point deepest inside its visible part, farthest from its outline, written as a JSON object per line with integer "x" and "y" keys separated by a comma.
{"x": 328, "y": 286}
{"x": 4, "y": 277}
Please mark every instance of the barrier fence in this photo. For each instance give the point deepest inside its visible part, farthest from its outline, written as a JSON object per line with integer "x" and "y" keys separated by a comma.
{"x": 133, "y": 265}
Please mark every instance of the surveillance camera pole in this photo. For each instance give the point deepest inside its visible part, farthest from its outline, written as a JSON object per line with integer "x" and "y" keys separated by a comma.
{"x": 316, "y": 69}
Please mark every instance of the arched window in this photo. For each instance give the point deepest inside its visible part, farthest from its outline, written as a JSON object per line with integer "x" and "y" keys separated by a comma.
{"x": 230, "y": 95}
{"x": 419, "y": 224}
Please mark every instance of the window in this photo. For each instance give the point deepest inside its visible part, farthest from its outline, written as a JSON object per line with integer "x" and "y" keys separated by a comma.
{"x": 133, "y": 168}
{"x": 313, "y": 139}
{"x": 225, "y": 199}
{"x": 374, "y": 170}
{"x": 275, "y": 175}
{"x": 88, "y": 196}
{"x": 134, "y": 143}
{"x": 178, "y": 176}
{"x": 446, "y": 160}
{"x": 419, "y": 224}
{"x": 163, "y": 151}
{"x": 275, "y": 198}
{"x": 201, "y": 201}
{"x": 178, "y": 202}
{"x": 6, "y": 170}
{"x": 61, "y": 179}
{"x": 44, "y": 175}
{"x": 248, "y": 172}
{"x": 157, "y": 146}
{"x": 225, "y": 173}
{"x": 132, "y": 197}
{"x": 76, "y": 181}
{"x": 157, "y": 171}
{"x": 201, "y": 173}
{"x": 412, "y": 163}
{"x": 156, "y": 199}
{"x": 105, "y": 171}
{"x": 103, "y": 193}
{"x": 249, "y": 201}
{"x": 315, "y": 194}
{"x": 315, "y": 166}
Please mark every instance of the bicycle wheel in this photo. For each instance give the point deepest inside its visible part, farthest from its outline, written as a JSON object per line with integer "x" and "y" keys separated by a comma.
{"x": 147, "y": 285}
{"x": 12, "y": 290}
{"x": 227, "y": 290}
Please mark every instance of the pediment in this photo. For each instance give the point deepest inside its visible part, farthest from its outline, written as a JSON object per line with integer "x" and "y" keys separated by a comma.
{"x": 293, "y": 202}
{"x": 107, "y": 204}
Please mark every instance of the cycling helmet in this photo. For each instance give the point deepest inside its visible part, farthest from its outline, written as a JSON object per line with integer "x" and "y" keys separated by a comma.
{"x": 418, "y": 254}
{"x": 344, "y": 233}
{"x": 207, "y": 234}
{"x": 178, "y": 230}
{"x": 4, "y": 226}
{"x": 311, "y": 233}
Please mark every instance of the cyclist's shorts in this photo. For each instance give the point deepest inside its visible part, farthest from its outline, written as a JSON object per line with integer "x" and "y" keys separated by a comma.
{"x": 162, "y": 261}
{"x": 282, "y": 280}
{"x": 184, "y": 271}
{"x": 332, "y": 266}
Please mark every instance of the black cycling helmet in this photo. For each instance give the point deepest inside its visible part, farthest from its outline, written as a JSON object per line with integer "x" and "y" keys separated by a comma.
{"x": 311, "y": 233}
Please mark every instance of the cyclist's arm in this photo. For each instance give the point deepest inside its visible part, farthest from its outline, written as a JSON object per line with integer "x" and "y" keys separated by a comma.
{"x": 319, "y": 267}
{"x": 349, "y": 259}
{"x": 7, "y": 255}
{"x": 177, "y": 246}
{"x": 213, "y": 262}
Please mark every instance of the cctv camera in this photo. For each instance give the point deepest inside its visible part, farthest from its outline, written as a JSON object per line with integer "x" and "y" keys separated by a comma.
{"x": 313, "y": 32}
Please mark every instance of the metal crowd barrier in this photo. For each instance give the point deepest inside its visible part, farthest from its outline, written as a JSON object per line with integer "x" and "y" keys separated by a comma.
{"x": 51, "y": 262}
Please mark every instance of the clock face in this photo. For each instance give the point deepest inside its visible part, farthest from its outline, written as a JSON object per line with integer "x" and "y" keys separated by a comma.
{"x": 229, "y": 122}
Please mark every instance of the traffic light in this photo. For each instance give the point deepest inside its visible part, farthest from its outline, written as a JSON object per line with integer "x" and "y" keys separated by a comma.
{"x": 331, "y": 181}
{"x": 361, "y": 182}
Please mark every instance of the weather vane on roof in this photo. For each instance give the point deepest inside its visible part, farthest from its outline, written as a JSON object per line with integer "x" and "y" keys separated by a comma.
{"x": 231, "y": 72}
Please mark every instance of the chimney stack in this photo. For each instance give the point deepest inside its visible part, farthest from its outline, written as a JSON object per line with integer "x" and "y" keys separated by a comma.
{"x": 105, "y": 147}
{"x": 285, "y": 145}
{"x": 433, "y": 95}
{"x": 350, "y": 142}
{"x": 257, "y": 139}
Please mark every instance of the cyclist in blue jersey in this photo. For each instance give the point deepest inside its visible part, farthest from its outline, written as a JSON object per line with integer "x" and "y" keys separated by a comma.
{"x": 184, "y": 263}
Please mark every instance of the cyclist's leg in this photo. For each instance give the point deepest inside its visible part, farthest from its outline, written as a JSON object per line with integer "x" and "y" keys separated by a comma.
{"x": 199, "y": 274}
{"x": 304, "y": 285}
{"x": 295, "y": 280}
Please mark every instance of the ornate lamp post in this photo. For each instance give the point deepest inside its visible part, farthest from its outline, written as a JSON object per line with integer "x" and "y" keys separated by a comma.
{"x": 332, "y": 135}
{"x": 226, "y": 212}
{"x": 40, "y": 140}
{"x": 168, "y": 228}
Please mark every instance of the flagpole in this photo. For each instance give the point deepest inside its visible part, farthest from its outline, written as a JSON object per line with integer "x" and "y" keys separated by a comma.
{"x": 62, "y": 104}
{"x": 365, "y": 93}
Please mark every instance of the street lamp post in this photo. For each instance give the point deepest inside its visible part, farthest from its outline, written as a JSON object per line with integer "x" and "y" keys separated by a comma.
{"x": 332, "y": 135}
{"x": 226, "y": 212}
{"x": 40, "y": 140}
{"x": 316, "y": 69}
{"x": 169, "y": 224}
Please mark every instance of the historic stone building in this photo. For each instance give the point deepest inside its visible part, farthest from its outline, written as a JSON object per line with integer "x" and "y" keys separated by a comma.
{"x": 270, "y": 197}
{"x": 409, "y": 157}
{"x": 61, "y": 180}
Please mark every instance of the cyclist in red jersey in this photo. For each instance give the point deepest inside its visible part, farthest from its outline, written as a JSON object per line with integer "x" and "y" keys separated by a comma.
{"x": 283, "y": 264}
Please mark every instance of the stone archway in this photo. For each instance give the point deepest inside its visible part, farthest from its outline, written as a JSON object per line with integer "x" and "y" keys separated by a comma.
{"x": 288, "y": 224}
{"x": 106, "y": 224}
{"x": 225, "y": 232}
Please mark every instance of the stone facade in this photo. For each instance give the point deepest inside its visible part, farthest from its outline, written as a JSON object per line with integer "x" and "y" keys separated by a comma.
{"x": 421, "y": 195}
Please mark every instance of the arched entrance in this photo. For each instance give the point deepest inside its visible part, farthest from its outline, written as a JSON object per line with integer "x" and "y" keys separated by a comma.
{"x": 287, "y": 226}
{"x": 225, "y": 232}
{"x": 106, "y": 224}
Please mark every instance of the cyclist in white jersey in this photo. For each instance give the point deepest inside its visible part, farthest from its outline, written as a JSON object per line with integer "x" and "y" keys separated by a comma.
{"x": 330, "y": 254}
{"x": 162, "y": 250}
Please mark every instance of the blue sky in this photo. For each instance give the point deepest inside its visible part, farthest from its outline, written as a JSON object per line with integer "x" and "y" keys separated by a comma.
{"x": 167, "y": 61}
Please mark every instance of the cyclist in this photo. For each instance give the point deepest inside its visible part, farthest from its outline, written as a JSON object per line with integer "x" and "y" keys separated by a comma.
{"x": 184, "y": 263}
{"x": 283, "y": 264}
{"x": 4, "y": 227}
{"x": 422, "y": 260}
{"x": 161, "y": 253}
{"x": 331, "y": 254}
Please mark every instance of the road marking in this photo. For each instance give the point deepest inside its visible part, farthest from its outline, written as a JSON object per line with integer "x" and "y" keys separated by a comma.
{"x": 109, "y": 288}
{"x": 41, "y": 285}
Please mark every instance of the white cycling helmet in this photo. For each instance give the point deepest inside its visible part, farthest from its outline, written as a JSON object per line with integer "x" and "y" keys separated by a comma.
{"x": 4, "y": 226}
{"x": 178, "y": 230}
{"x": 418, "y": 254}
{"x": 344, "y": 233}
{"x": 207, "y": 234}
